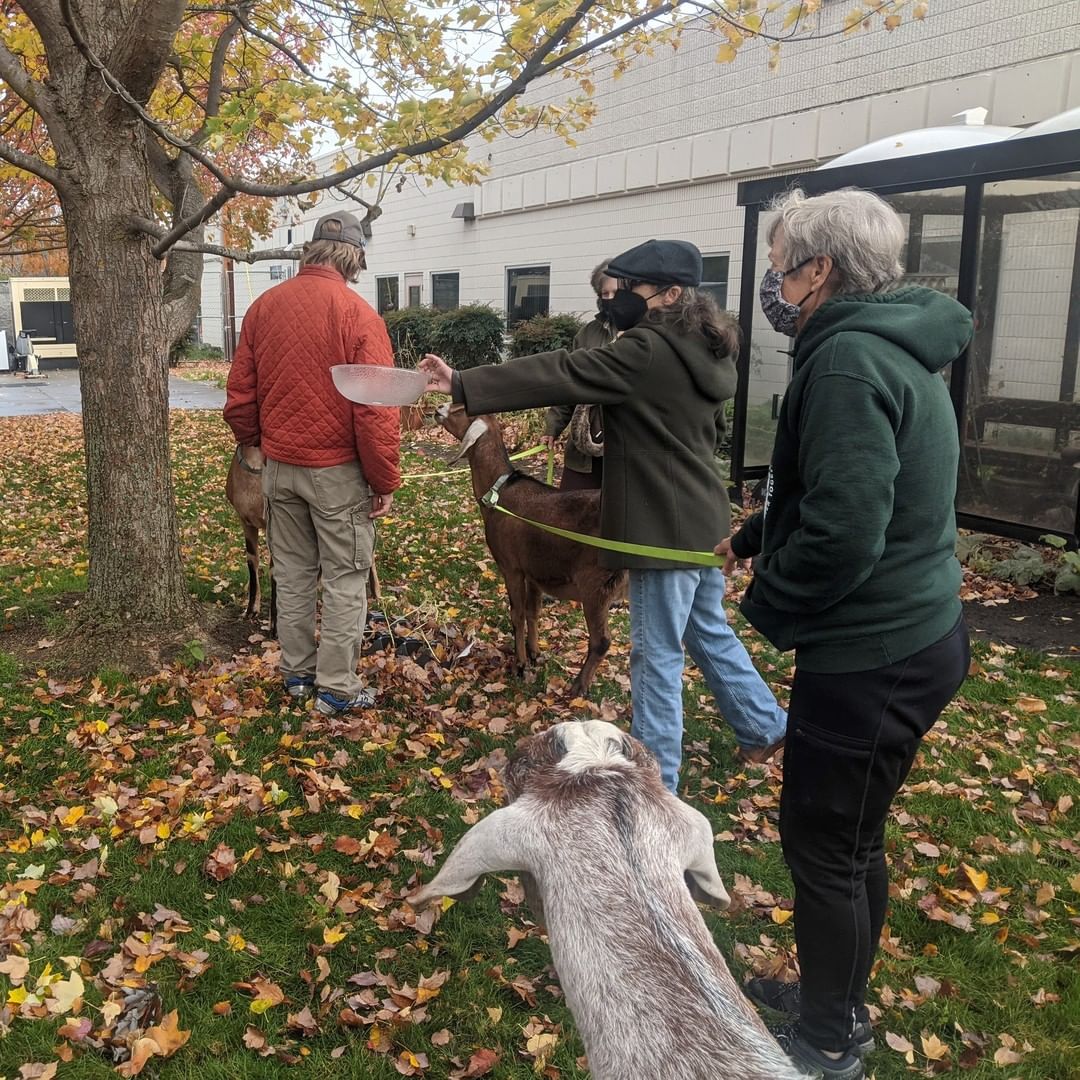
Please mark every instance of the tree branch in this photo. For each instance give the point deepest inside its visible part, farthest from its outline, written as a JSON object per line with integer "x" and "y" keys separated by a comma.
{"x": 217, "y": 77}
{"x": 152, "y": 228}
{"x": 234, "y": 185}
{"x": 137, "y": 58}
{"x": 611, "y": 35}
{"x": 34, "y": 93}
{"x": 30, "y": 164}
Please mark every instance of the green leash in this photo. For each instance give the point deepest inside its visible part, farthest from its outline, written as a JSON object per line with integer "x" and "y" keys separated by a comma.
{"x": 700, "y": 558}
{"x": 531, "y": 452}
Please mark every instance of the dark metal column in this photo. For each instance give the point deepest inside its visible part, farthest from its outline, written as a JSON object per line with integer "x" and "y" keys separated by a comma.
{"x": 747, "y": 299}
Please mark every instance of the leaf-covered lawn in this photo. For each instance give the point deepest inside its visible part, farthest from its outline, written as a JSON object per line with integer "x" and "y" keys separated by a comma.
{"x": 198, "y": 881}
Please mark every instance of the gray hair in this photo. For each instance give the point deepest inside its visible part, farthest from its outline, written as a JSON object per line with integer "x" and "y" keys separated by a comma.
{"x": 596, "y": 278}
{"x": 347, "y": 259}
{"x": 861, "y": 232}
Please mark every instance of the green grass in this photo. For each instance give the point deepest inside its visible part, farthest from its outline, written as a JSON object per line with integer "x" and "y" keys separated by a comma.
{"x": 213, "y": 753}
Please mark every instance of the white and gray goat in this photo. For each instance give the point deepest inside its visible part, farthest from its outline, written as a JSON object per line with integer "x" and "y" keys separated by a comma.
{"x": 612, "y": 863}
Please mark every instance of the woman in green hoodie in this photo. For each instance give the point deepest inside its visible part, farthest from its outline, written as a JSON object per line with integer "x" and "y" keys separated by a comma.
{"x": 854, "y": 569}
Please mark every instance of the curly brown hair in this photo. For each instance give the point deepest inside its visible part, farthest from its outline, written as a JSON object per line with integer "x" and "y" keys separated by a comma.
{"x": 697, "y": 312}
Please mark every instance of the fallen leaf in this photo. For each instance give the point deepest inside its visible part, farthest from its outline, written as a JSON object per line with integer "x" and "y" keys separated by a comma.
{"x": 901, "y": 1046}
{"x": 480, "y": 1064}
{"x": 16, "y": 968}
{"x": 934, "y": 1048}
{"x": 36, "y": 1071}
{"x": 1004, "y": 1056}
{"x": 65, "y": 994}
{"x": 978, "y": 878}
{"x": 1044, "y": 894}
{"x": 1030, "y": 704}
{"x": 221, "y": 863}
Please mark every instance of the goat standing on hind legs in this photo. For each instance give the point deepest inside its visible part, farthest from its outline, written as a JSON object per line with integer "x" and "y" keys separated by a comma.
{"x": 243, "y": 488}
{"x": 534, "y": 562}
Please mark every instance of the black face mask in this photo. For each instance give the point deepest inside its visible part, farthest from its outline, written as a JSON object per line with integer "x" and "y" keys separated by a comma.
{"x": 626, "y": 309}
{"x": 603, "y": 306}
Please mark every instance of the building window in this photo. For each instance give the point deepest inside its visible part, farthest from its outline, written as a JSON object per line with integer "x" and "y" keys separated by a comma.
{"x": 445, "y": 291}
{"x": 280, "y": 273}
{"x": 387, "y": 294}
{"x": 714, "y": 277}
{"x": 528, "y": 290}
{"x": 414, "y": 285}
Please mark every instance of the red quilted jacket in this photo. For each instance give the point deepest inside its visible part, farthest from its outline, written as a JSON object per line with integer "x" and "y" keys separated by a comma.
{"x": 280, "y": 393}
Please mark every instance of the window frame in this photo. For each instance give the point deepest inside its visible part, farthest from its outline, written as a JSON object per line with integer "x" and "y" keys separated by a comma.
{"x": 511, "y": 322}
{"x": 445, "y": 273}
{"x": 708, "y": 284}
{"x": 379, "y": 279}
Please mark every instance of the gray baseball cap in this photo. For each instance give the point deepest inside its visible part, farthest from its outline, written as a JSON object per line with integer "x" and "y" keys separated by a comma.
{"x": 341, "y": 227}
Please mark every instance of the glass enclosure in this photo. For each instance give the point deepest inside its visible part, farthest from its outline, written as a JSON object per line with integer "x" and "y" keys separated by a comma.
{"x": 1021, "y": 431}
{"x": 996, "y": 226}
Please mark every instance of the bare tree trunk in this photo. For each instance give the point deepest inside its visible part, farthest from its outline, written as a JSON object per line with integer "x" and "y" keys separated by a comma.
{"x": 135, "y": 572}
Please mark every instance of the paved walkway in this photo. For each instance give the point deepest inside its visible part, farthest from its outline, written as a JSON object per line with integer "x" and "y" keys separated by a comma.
{"x": 60, "y": 393}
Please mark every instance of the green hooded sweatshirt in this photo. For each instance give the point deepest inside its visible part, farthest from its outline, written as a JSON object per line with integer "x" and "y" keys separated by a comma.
{"x": 856, "y": 565}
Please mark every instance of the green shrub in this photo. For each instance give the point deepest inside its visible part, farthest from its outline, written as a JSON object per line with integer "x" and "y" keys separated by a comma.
{"x": 189, "y": 351}
{"x": 544, "y": 333}
{"x": 411, "y": 332}
{"x": 468, "y": 336}
{"x": 1067, "y": 573}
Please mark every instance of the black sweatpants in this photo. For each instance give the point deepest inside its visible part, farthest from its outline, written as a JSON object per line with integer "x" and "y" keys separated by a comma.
{"x": 850, "y": 744}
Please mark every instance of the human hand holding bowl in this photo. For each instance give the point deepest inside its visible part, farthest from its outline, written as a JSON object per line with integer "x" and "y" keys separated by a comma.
{"x": 439, "y": 373}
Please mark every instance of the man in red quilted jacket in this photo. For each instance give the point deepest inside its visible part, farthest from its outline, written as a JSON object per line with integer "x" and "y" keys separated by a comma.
{"x": 331, "y": 466}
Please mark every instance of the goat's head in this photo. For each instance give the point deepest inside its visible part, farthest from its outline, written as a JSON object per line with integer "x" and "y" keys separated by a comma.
{"x": 466, "y": 429}
{"x": 252, "y": 457}
{"x": 564, "y": 763}
{"x": 576, "y": 747}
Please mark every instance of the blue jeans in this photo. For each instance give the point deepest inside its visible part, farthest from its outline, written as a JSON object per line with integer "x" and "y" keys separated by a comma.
{"x": 667, "y": 609}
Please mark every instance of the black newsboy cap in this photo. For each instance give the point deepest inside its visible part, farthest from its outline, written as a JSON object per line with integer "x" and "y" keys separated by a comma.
{"x": 659, "y": 262}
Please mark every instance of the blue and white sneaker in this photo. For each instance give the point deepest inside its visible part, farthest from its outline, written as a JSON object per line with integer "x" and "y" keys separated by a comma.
{"x": 330, "y": 704}
{"x": 300, "y": 687}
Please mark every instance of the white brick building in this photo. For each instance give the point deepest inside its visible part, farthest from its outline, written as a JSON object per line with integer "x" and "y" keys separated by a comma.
{"x": 673, "y": 138}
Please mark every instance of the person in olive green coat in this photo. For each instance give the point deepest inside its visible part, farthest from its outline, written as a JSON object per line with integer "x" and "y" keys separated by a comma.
{"x": 583, "y": 465}
{"x": 661, "y": 384}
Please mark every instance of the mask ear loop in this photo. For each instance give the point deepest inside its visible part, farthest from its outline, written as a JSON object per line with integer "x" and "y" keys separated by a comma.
{"x": 809, "y": 258}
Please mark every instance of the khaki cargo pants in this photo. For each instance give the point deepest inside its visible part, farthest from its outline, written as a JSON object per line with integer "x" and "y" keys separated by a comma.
{"x": 318, "y": 519}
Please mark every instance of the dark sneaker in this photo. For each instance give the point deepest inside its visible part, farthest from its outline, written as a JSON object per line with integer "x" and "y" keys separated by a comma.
{"x": 759, "y": 755}
{"x": 786, "y": 998}
{"x": 330, "y": 704}
{"x": 300, "y": 687}
{"x": 811, "y": 1061}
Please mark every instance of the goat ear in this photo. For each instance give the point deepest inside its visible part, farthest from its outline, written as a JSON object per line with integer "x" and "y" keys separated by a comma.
{"x": 495, "y": 843}
{"x": 472, "y": 433}
{"x": 702, "y": 876}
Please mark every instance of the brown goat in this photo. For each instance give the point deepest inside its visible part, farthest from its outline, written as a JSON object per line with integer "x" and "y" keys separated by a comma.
{"x": 243, "y": 488}
{"x": 534, "y": 562}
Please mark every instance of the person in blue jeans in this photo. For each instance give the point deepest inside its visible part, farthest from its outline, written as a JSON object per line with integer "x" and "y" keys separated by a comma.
{"x": 661, "y": 385}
